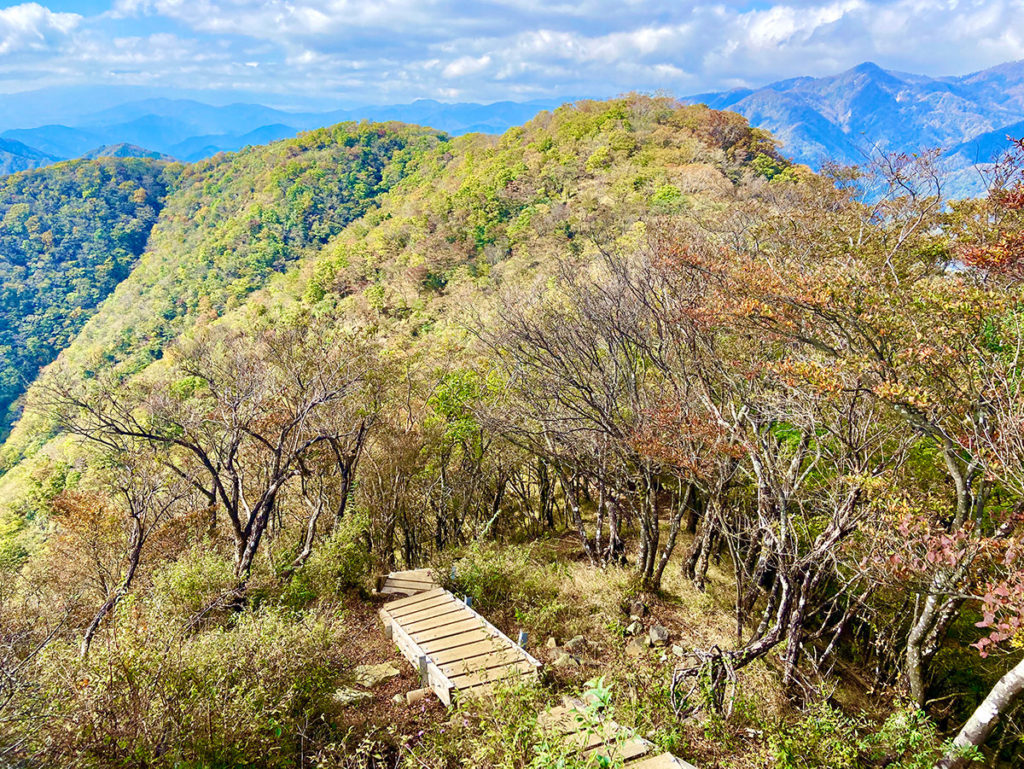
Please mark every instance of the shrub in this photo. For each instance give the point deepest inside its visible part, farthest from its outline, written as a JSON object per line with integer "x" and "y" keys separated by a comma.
{"x": 505, "y": 580}
{"x": 337, "y": 564}
{"x": 825, "y": 737}
{"x": 234, "y": 696}
{"x": 193, "y": 582}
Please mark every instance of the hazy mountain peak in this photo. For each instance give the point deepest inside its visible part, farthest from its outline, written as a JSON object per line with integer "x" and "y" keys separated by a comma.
{"x": 867, "y": 109}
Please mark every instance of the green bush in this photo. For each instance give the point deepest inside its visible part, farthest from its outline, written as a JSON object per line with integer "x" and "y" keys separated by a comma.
{"x": 232, "y": 696}
{"x": 337, "y": 564}
{"x": 194, "y": 581}
{"x": 505, "y": 580}
{"x": 825, "y": 737}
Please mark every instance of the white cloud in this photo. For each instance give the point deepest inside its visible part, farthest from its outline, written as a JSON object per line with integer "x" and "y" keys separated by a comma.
{"x": 466, "y": 65}
{"x": 32, "y": 27}
{"x": 492, "y": 49}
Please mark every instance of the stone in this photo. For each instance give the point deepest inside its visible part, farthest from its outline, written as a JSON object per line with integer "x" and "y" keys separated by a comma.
{"x": 374, "y": 675}
{"x": 346, "y": 697}
{"x": 634, "y": 628}
{"x": 416, "y": 695}
{"x": 679, "y": 651}
{"x": 637, "y": 610}
{"x": 398, "y": 699}
{"x": 551, "y": 643}
{"x": 658, "y": 635}
{"x": 576, "y": 643}
{"x": 565, "y": 660}
{"x": 635, "y": 648}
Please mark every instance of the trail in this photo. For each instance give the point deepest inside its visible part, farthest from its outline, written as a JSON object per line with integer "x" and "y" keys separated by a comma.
{"x": 459, "y": 654}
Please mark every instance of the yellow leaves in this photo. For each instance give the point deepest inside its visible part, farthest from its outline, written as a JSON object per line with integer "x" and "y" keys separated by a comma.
{"x": 902, "y": 393}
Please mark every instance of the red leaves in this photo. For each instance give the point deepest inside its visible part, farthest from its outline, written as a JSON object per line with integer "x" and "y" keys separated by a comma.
{"x": 690, "y": 441}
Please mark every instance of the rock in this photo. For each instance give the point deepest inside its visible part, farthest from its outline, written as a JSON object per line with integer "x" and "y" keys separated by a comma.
{"x": 551, "y": 643}
{"x": 658, "y": 635}
{"x": 635, "y": 648}
{"x": 399, "y": 699}
{"x": 346, "y": 697}
{"x": 634, "y": 628}
{"x": 373, "y": 675}
{"x": 576, "y": 643}
{"x": 416, "y": 695}
{"x": 637, "y": 610}
{"x": 679, "y": 651}
{"x": 565, "y": 660}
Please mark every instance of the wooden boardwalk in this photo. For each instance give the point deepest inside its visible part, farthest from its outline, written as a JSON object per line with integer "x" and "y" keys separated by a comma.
{"x": 456, "y": 650}
{"x": 604, "y": 737}
{"x": 459, "y": 653}
{"x": 407, "y": 582}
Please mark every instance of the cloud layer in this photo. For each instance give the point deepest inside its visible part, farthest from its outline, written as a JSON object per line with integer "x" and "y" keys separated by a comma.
{"x": 394, "y": 50}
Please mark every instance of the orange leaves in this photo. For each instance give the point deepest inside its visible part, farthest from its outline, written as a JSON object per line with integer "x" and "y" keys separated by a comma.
{"x": 689, "y": 440}
{"x": 1004, "y": 257}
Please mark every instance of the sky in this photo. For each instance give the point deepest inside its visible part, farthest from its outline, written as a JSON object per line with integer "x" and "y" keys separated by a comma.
{"x": 391, "y": 51}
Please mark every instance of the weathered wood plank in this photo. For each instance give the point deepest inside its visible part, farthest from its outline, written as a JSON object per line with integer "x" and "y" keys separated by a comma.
{"x": 409, "y": 613}
{"x": 465, "y": 666}
{"x": 448, "y": 643}
{"x": 489, "y": 645}
{"x": 407, "y": 592}
{"x": 445, "y": 610}
{"x": 512, "y": 670}
{"x": 449, "y": 630}
{"x": 402, "y": 602}
{"x": 440, "y": 619}
{"x": 419, "y": 584}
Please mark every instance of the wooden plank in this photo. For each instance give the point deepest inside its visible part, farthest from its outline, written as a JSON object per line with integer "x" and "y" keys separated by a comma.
{"x": 513, "y": 670}
{"x": 416, "y": 584}
{"x": 625, "y": 750}
{"x": 430, "y": 613}
{"x": 475, "y": 635}
{"x": 455, "y": 628}
{"x": 410, "y": 573}
{"x": 663, "y": 761}
{"x": 407, "y": 592}
{"x": 481, "y": 662}
{"x": 441, "y": 619}
{"x": 436, "y": 679}
{"x": 439, "y": 684}
{"x": 401, "y": 602}
{"x": 535, "y": 662}
{"x": 431, "y": 603}
{"x": 468, "y": 651}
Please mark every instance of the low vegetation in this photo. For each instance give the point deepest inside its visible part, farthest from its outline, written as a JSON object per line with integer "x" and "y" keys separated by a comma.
{"x": 623, "y": 367}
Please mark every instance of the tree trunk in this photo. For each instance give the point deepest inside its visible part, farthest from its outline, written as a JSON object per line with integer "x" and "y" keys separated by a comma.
{"x": 914, "y": 658}
{"x": 677, "y": 519}
{"x": 979, "y": 726}
{"x": 137, "y": 541}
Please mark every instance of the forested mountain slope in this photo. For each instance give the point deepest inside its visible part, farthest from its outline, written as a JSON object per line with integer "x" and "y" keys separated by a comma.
{"x": 68, "y": 235}
{"x": 236, "y": 220}
{"x": 233, "y": 221}
{"x": 628, "y": 371}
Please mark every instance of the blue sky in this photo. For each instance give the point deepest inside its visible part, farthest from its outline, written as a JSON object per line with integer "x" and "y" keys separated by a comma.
{"x": 380, "y": 51}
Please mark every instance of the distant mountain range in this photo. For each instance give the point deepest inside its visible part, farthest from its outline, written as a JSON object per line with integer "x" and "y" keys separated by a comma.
{"x": 867, "y": 109}
{"x": 845, "y": 117}
{"x": 15, "y": 156}
{"x": 190, "y": 130}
